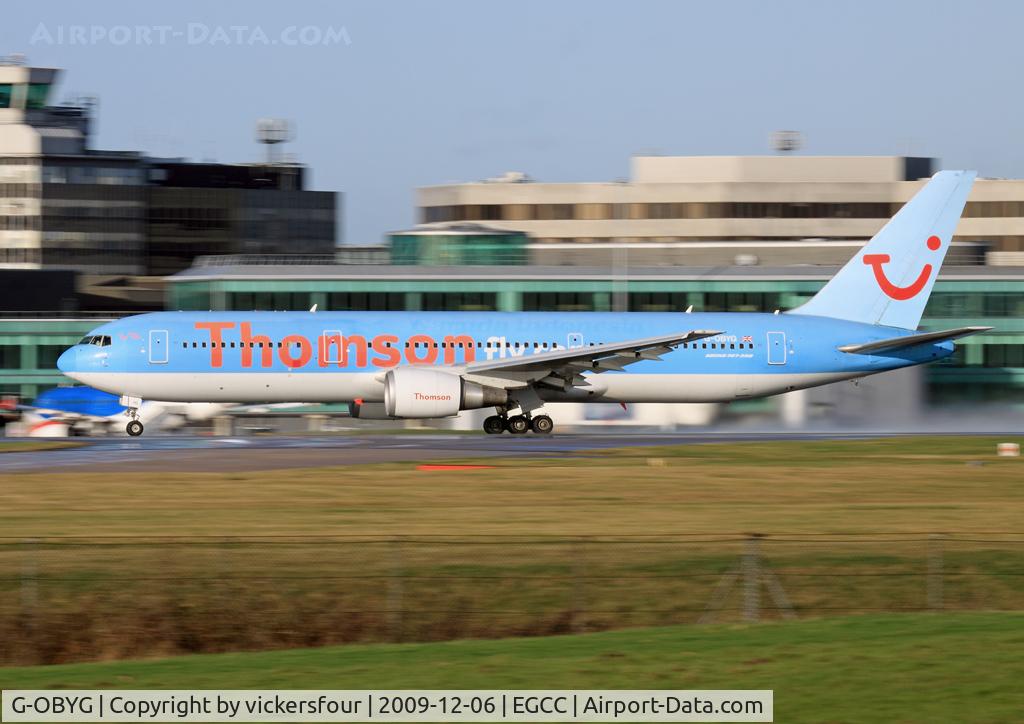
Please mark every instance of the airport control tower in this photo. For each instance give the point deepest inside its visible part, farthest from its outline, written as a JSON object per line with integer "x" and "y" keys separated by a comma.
{"x": 117, "y": 216}
{"x": 30, "y": 126}
{"x": 62, "y": 204}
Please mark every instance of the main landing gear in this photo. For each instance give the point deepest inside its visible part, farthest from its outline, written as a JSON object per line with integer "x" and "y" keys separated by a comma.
{"x": 518, "y": 424}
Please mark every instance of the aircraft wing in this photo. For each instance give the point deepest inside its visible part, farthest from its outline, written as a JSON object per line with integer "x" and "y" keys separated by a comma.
{"x": 563, "y": 365}
{"x": 910, "y": 340}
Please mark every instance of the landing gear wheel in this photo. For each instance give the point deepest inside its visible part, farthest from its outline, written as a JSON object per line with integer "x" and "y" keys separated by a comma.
{"x": 494, "y": 425}
{"x": 542, "y": 425}
{"x": 134, "y": 428}
{"x": 517, "y": 424}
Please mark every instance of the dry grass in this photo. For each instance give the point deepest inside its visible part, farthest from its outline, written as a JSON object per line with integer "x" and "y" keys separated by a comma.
{"x": 579, "y": 543}
{"x": 907, "y": 485}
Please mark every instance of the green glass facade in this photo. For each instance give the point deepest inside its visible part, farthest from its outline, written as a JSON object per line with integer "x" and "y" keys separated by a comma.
{"x": 445, "y": 248}
{"x": 29, "y": 349}
{"x": 987, "y": 367}
{"x": 36, "y": 96}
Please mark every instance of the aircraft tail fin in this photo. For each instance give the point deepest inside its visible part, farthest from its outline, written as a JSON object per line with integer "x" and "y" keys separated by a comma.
{"x": 889, "y": 280}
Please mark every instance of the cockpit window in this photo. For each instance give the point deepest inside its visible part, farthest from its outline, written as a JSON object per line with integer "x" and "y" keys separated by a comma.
{"x": 99, "y": 340}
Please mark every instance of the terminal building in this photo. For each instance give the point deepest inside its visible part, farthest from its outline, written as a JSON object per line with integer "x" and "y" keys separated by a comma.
{"x": 66, "y": 205}
{"x": 716, "y": 210}
{"x": 988, "y": 368}
{"x": 717, "y": 234}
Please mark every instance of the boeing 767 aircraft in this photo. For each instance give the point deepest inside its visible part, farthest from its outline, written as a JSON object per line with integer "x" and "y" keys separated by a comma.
{"x": 399, "y": 365}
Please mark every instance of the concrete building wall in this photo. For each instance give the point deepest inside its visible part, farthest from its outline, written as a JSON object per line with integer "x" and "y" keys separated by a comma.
{"x": 725, "y": 198}
{"x": 767, "y": 169}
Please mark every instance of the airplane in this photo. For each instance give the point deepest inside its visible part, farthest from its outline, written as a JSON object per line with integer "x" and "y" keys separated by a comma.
{"x": 65, "y": 411}
{"x": 404, "y": 365}
{"x": 68, "y": 411}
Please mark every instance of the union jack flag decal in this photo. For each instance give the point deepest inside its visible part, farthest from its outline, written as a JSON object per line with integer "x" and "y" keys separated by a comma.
{"x": 747, "y": 338}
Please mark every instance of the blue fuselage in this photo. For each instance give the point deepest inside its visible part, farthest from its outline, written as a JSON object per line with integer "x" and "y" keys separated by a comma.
{"x": 213, "y": 356}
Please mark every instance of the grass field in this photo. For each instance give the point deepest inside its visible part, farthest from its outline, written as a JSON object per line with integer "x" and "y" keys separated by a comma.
{"x": 893, "y": 485}
{"x": 901, "y": 668}
{"x": 635, "y": 537}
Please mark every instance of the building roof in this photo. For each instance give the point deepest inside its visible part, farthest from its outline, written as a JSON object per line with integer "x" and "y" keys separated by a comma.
{"x": 456, "y": 229}
{"x": 580, "y": 273}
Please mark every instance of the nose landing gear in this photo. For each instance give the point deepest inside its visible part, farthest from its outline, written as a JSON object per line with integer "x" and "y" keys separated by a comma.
{"x": 134, "y": 427}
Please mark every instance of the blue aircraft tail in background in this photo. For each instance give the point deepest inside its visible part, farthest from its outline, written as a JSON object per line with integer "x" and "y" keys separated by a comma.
{"x": 890, "y": 279}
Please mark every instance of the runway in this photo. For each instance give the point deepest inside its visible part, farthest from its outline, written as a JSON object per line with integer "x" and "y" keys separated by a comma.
{"x": 173, "y": 453}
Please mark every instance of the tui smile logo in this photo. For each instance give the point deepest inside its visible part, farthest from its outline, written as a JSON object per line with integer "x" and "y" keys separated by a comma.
{"x": 875, "y": 261}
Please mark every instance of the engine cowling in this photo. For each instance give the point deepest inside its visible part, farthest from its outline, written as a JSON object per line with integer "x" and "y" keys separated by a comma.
{"x": 420, "y": 393}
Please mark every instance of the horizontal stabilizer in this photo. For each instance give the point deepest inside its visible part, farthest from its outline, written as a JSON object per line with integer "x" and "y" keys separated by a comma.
{"x": 910, "y": 340}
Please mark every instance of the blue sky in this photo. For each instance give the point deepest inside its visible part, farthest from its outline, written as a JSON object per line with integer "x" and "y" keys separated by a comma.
{"x": 420, "y": 93}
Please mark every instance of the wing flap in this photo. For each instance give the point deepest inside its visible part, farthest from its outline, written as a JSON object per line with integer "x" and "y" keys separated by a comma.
{"x": 597, "y": 358}
{"x": 910, "y": 340}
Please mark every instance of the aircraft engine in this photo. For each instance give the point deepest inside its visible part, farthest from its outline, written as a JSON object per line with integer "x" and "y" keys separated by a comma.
{"x": 411, "y": 392}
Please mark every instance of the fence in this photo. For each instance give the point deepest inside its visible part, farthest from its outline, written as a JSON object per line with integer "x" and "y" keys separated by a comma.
{"x": 80, "y": 599}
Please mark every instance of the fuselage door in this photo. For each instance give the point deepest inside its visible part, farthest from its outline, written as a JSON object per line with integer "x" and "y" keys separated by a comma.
{"x": 158, "y": 346}
{"x": 575, "y": 339}
{"x": 331, "y": 347}
{"x": 776, "y": 348}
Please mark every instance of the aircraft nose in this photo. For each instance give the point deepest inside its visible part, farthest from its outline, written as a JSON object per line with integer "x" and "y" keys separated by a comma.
{"x": 68, "y": 361}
